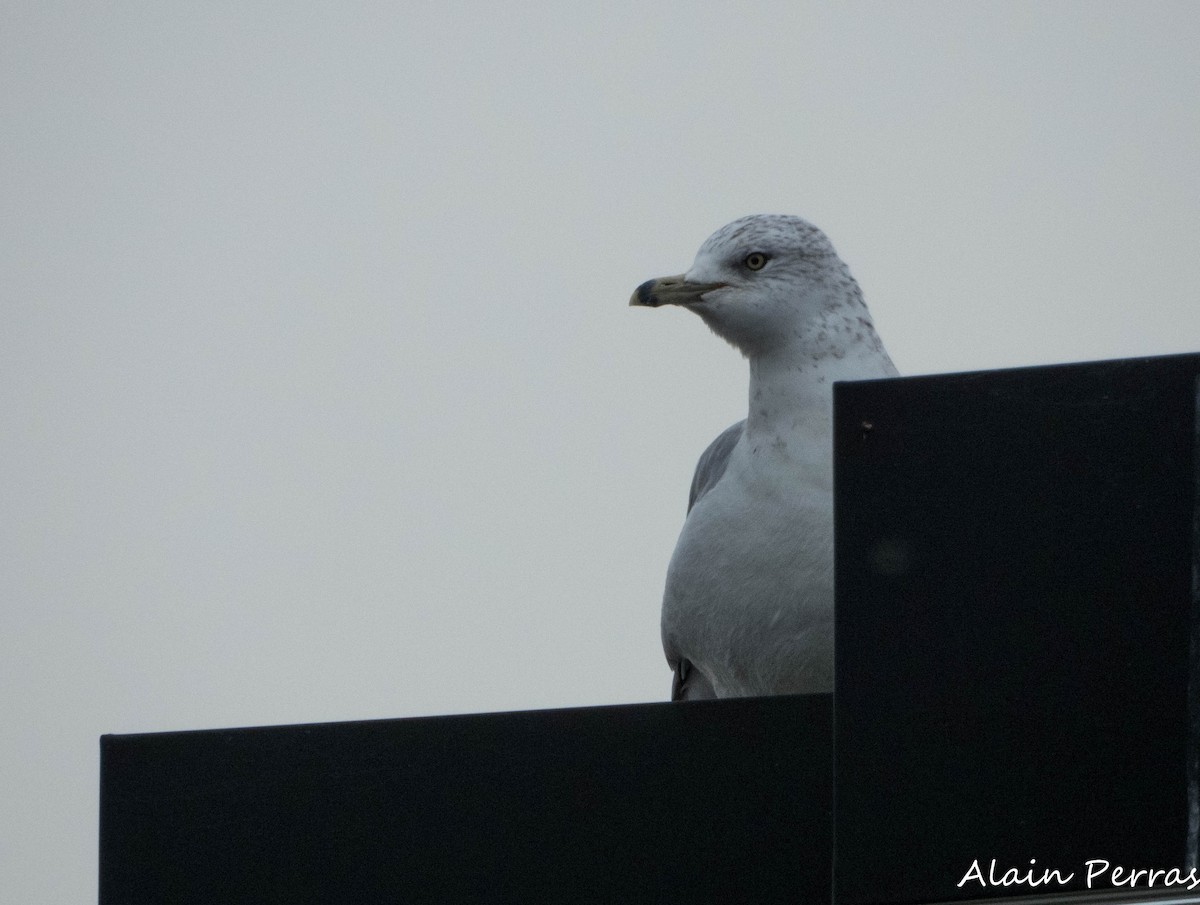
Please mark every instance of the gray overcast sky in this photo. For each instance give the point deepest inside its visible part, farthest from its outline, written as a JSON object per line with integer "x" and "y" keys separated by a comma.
{"x": 320, "y": 397}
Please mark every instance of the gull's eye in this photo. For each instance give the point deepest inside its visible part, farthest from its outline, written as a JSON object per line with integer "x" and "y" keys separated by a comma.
{"x": 756, "y": 260}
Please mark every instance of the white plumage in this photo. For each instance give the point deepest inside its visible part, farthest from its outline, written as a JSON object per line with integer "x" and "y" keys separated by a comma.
{"x": 748, "y": 605}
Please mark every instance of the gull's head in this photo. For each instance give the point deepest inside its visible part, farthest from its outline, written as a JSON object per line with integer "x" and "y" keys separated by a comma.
{"x": 758, "y": 282}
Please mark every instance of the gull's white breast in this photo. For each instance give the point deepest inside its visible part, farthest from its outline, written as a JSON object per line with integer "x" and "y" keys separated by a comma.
{"x": 749, "y": 594}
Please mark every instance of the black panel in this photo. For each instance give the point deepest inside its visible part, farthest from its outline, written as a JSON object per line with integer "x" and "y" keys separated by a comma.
{"x": 1014, "y": 609}
{"x": 722, "y": 801}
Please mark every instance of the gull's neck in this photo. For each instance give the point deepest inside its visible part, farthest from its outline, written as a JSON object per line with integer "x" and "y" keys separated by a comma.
{"x": 791, "y": 386}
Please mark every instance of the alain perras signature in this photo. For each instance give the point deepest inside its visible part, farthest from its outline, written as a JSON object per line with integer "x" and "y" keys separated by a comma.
{"x": 1098, "y": 873}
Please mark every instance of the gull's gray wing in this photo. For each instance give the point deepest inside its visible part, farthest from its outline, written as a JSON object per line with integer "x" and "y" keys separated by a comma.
{"x": 713, "y": 461}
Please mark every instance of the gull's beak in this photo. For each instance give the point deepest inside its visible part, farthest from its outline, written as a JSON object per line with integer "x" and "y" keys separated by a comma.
{"x": 670, "y": 291}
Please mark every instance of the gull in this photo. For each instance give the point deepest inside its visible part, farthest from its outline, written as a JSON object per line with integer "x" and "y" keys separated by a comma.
{"x": 748, "y": 604}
